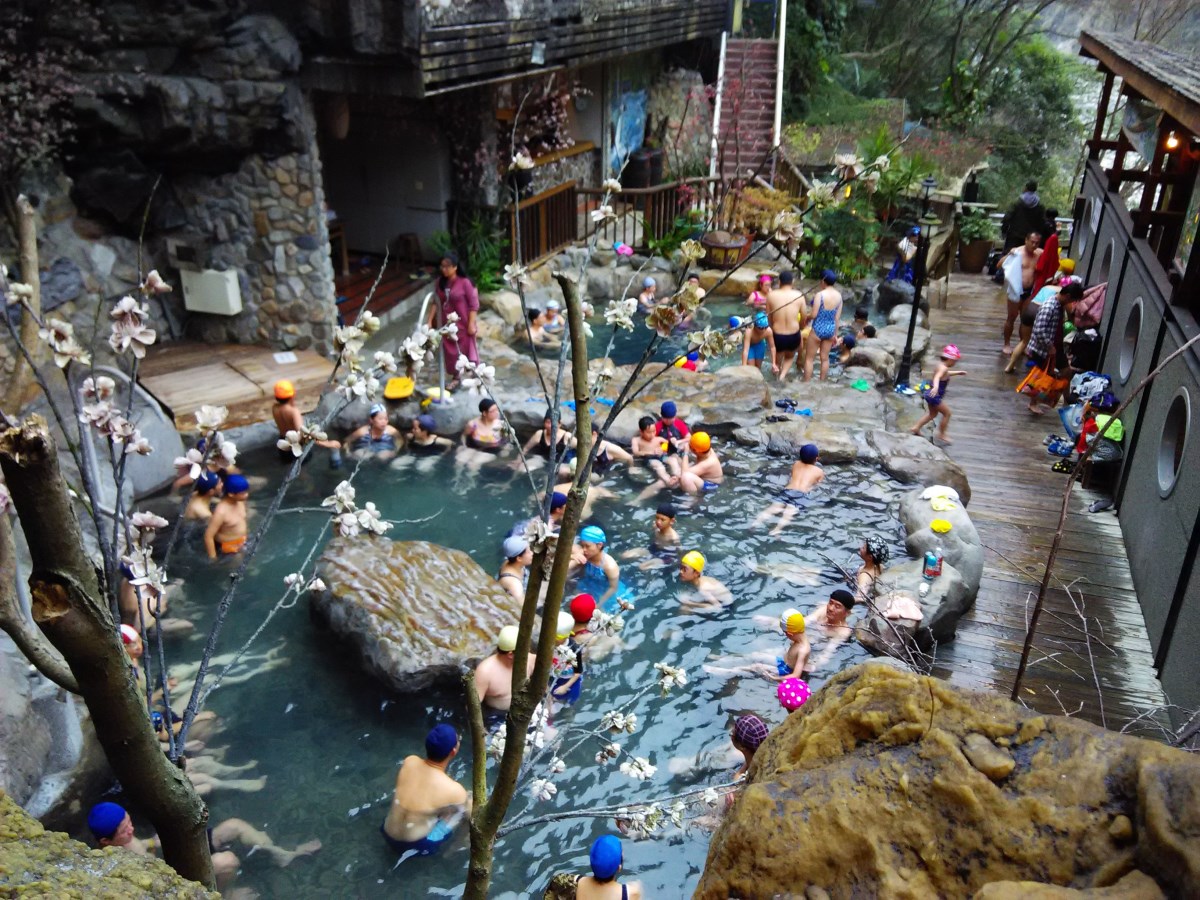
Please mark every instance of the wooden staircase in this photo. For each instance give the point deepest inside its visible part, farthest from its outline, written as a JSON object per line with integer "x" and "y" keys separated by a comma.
{"x": 747, "y": 107}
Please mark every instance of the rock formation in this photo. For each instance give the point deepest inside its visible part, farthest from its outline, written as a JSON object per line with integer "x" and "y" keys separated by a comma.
{"x": 35, "y": 862}
{"x": 411, "y": 610}
{"x": 892, "y": 785}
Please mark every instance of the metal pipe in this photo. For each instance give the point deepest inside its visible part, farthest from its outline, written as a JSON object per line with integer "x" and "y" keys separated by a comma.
{"x": 779, "y": 42}
{"x": 712, "y": 163}
{"x": 441, "y": 351}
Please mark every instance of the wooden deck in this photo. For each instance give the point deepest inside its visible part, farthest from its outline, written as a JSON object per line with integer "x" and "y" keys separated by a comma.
{"x": 1094, "y": 661}
{"x": 400, "y": 281}
{"x": 185, "y": 376}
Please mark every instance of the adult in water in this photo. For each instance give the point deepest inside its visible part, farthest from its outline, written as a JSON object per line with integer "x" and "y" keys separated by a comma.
{"x": 112, "y": 826}
{"x": 493, "y": 675}
{"x": 227, "y": 527}
{"x": 288, "y": 417}
{"x": 378, "y": 437}
{"x": 541, "y": 443}
{"x": 423, "y": 441}
{"x": 484, "y": 432}
{"x": 600, "y": 576}
{"x": 456, "y": 295}
{"x": 517, "y": 557}
{"x": 825, "y": 312}
{"x": 607, "y": 861}
{"x": 833, "y": 618}
{"x": 427, "y": 803}
{"x": 607, "y": 453}
{"x": 874, "y": 554}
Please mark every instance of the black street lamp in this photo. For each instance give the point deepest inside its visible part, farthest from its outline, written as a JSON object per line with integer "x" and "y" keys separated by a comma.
{"x": 928, "y": 224}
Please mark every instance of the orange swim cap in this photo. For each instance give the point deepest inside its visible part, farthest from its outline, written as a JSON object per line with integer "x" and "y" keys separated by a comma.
{"x": 284, "y": 390}
{"x": 700, "y": 442}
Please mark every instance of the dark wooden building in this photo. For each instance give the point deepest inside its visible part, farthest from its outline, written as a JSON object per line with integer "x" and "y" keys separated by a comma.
{"x": 1135, "y": 228}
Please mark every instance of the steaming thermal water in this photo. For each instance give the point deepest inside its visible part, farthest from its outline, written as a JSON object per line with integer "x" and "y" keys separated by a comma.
{"x": 330, "y": 739}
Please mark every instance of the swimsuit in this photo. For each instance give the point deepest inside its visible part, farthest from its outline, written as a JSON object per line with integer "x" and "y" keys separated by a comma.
{"x": 935, "y": 399}
{"x": 757, "y": 352}
{"x": 427, "y": 845}
{"x": 593, "y": 581}
{"x": 782, "y": 667}
{"x": 385, "y": 443}
{"x": 567, "y": 674}
{"x": 787, "y": 342}
{"x": 602, "y": 461}
{"x": 711, "y": 486}
{"x": 794, "y": 497}
{"x": 433, "y": 448}
{"x": 232, "y": 545}
{"x": 824, "y": 324}
{"x": 493, "y": 446}
{"x": 543, "y": 447}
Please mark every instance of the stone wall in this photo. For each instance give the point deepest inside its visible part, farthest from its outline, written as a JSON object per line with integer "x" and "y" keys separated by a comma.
{"x": 582, "y": 168}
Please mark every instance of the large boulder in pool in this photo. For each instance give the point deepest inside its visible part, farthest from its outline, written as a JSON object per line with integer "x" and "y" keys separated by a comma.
{"x": 886, "y": 631}
{"x": 912, "y": 459}
{"x": 413, "y": 611}
{"x": 890, "y": 784}
{"x": 721, "y": 401}
{"x": 960, "y": 545}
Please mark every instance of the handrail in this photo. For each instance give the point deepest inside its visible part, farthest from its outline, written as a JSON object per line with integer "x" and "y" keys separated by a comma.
{"x": 655, "y": 189}
{"x": 441, "y": 351}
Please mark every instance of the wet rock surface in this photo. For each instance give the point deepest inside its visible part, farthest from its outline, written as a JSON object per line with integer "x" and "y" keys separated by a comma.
{"x": 412, "y": 611}
{"x": 35, "y": 862}
{"x": 914, "y": 460}
{"x": 894, "y": 785}
{"x": 961, "y": 547}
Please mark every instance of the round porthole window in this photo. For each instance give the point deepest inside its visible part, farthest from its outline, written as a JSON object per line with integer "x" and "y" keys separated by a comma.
{"x": 1173, "y": 441}
{"x": 1129, "y": 340}
{"x": 1106, "y": 261}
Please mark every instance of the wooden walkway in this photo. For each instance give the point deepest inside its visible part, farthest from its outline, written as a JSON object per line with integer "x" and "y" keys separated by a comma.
{"x": 1094, "y": 661}
{"x": 185, "y": 376}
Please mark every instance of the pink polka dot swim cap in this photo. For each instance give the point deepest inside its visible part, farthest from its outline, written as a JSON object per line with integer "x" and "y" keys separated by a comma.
{"x": 793, "y": 693}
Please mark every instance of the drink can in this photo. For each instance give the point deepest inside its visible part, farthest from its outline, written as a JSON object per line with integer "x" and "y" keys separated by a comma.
{"x": 932, "y": 566}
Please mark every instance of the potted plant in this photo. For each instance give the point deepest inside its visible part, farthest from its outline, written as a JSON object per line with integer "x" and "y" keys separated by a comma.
{"x": 976, "y": 232}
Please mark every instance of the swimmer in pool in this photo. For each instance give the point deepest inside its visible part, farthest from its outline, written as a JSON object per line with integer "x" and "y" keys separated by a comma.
{"x": 806, "y": 475}
{"x": 794, "y": 659}
{"x": 288, "y": 417}
{"x": 377, "y": 438}
{"x": 704, "y": 473}
{"x": 493, "y": 675}
{"x": 517, "y": 557}
{"x": 485, "y": 433}
{"x": 656, "y": 451}
{"x": 227, "y": 527}
{"x": 427, "y": 803}
{"x": 600, "y": 575}
{"x": 199, "y": 505}
{"x": 710, "y": 594}
{"x": 833, "y": 618}
{"x": 423, "y": 441}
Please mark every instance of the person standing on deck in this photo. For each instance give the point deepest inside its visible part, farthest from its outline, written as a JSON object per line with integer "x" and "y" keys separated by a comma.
{"x": 456, "y": 294}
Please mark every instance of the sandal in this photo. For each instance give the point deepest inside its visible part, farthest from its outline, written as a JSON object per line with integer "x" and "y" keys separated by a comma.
{"x": 1063, "y": 466}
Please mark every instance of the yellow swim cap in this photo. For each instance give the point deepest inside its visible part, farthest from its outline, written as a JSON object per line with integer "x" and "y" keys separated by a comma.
{"x": 1067, "y": 265}
{"x": 566, "y": 625}
{"x": 700, "y": 442}
{"x": 792, "y": 621}
{"x": 679, "y": 362}
{"x": 941, "y": 526}
{"x": 506, "y": 640}
{"x": 694, "y": 559}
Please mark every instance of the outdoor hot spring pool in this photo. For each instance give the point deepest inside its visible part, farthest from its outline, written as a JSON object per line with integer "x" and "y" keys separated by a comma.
{"x": 329, "y": 739}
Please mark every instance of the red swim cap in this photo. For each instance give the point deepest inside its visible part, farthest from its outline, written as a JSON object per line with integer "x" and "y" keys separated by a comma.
{"x": 582, "y": 608}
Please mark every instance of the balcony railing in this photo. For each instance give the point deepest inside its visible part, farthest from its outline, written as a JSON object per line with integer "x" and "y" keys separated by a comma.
{"x": 642, "y": 215}
{"x": 548, "y": 222}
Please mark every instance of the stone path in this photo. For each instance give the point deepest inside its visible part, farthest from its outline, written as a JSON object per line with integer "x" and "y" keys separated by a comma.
{"x": 1015, "y": 505}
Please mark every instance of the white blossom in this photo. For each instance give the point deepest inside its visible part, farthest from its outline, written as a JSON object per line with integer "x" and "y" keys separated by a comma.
{"x": 848, "y": 165}
{"x": 226, "y": 455}
{"x": 611, "y": 185}
{"x": 147, "y": 521}
{"x": 355, "y": 385}
{"x": 137, "y": 443}
{"x": 558, "y": 766}
{"x": 99, "y": 388}
{"x": 882, "y": 163}
{"x": 368, "y": 322}
{"x": 619, "y": 313}
{"x": 692, "y": 249}
{"x": 617, "y": 721}
{"x": 290, "y": 442}
{"x": 516, "y": 276}
{"x": 97, "y": 414}
{"x": 603, "y": 623}
{"x": 671, "y": 676}
{"x": 5, "y": 498}
{"x": 475, "y": 377}
{"x": 608, "y": 753}
{"x": 316, "y": 585}
{"x": 349, "y": 338}
{"x": 60, "y": 336}
{"x": 821, "y": 193}
{"x": 210, "y": 418}
{"x": 347, "y": 524}
{"x": 710, "y": 796}
{"x": 18, "y": 291}
{"x": 129, "y": 328}
{"x": 676, "y": 811}
{"x": 192, "y": 461}
{"x": 872, "y": 181}
{"x": 542, "y": 789}
{"x": 292, "y": 579}
{"x": 522, "y": 160}
{"x": 154, "y": 284}
{"x": 143, "y": 572}
{"x": 638, "y": 768}
{"x": 385, "y": 361}
{"x": 369, "y": 519}
{"x": 342, "y": 499}
{"x": 603, "y": 214}
{"x": 496, "y": 744}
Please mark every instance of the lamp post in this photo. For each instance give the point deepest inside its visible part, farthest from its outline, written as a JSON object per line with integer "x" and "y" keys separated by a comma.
{"x": 928, "y": 224}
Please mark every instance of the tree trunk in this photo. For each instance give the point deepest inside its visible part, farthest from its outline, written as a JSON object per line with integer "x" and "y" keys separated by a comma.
{"x": 27, "y": 241}
{"x": 70, "y": 608}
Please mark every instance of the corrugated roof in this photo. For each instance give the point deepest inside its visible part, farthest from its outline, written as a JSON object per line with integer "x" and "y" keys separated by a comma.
{"x": 1169, "y": 80}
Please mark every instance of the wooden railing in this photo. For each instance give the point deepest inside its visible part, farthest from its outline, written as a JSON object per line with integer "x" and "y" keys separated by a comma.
{"x": 548, "y": 222}
{"x": 649, "y": 214}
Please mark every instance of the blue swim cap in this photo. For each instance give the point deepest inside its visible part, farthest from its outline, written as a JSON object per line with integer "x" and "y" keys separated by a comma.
{"x": 735, "y": 321}
{"x": 557, "y": 501}
{"x": 829, "y": 277}
{"x": 849, "y": 341}
{"x": 207, "y": 481}
{"x": 761, "y": 320}
{"x": 426, "y": 422}
{"x": 693, "y": 356}
{"x": 236, "y": 484}
{"x": 105, "y": 819}
{"x": 593, "y": 534}
{"x": 667, "y": 410}
{"x": 440, "y": 742}
{"x": 605, "y": 857}
{"x": 808, "y": 453}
